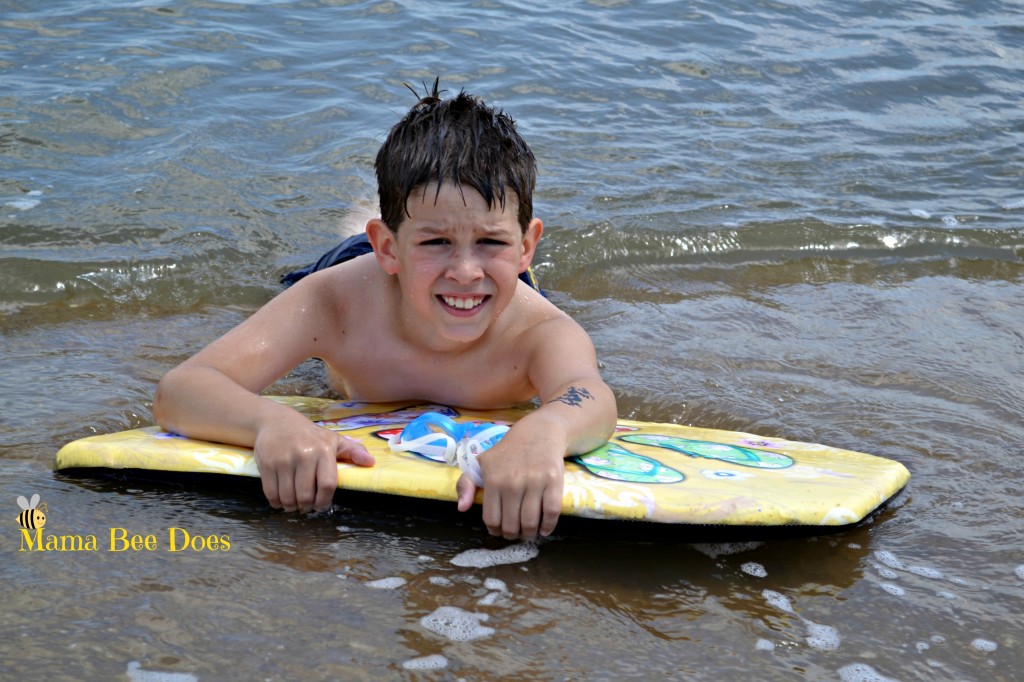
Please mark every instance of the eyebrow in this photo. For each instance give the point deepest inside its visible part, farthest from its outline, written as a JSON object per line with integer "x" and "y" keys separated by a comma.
{"x": 431, "y": 229}
{"x": 486, "y": 230}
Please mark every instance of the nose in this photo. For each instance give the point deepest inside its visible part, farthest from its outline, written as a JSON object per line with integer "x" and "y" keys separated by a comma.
{"x": 465, "y": 267}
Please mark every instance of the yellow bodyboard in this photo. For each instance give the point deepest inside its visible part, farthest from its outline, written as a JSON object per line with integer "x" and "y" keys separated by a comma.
{"x": 663, "y": 473}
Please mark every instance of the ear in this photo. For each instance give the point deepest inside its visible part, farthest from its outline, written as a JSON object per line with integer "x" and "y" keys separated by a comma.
{"x": 530, "y": 239}
{"x": 385, "y": 245}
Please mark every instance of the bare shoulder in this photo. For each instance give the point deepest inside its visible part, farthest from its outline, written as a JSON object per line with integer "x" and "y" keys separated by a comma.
{"x": 551, "y": 333}
{"x": 329, "y": 292}
{"x": 346, "y": 310}
{"x": 306, "y": 319}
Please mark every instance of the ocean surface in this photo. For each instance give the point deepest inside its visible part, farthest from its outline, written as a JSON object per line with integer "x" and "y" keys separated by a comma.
{"x": 802, "y": 219}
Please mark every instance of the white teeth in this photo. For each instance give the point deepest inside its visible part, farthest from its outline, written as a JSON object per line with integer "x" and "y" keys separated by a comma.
{"x": 462, "y": 303}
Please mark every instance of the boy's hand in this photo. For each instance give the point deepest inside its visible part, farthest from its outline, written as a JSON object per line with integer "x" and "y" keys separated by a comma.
{"x": 297, "y": 461}
{"x": 522, "y": 487}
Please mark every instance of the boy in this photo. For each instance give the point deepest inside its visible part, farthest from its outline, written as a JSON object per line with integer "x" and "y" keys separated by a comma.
{"x": 436, "y": 313}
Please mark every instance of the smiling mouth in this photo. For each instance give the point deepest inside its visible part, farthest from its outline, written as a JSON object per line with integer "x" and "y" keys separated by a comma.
{"x": 463, "y": 302}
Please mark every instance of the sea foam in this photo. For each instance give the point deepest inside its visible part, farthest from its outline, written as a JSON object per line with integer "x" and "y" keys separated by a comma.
{"x": 778, "y": 600}
{"x": 754, "y": 569}
{"x": 433, "y": 662}
{"x": 861, "y": 672}
{"x": 457, "y": 624}
{"x": 717, "y": 549}
{"x": 985, "y": 646}
{"x": 137, "y": 674}
{"x": 822, "y": 637}
{"x": 484, "y": 558}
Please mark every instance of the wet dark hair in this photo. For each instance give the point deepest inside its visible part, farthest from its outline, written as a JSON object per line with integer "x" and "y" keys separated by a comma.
{"x": 459, "y": 140}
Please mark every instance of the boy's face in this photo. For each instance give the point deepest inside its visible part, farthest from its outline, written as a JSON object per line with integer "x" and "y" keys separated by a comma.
{"x": 457, "y": 261}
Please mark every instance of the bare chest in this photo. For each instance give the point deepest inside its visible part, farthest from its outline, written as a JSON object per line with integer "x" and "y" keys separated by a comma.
{"x": 392, "y": 372}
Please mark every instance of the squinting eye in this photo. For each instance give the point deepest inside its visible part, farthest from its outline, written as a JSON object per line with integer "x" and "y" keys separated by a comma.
{"x": 494, "y": 242}
{"x": 435, "y": 242}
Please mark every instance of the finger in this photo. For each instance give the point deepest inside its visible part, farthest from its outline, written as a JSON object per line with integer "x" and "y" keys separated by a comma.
{"x": 466, "y": 492}
{"x": 492, "y": 511}
{"x": 552, "y": 509}
{"x": 306, "y": 475}
{"x": 511, "y": 511}
{"x": 326, "y": 483}
{"x": 286, "y": 489}
{"x": 354, "y": 452}
{"x": 269, "y": 480}
{"x": 529, "y": 517}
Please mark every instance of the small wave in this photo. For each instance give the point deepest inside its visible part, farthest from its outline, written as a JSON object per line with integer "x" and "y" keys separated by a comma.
{"x": 652, "y": 263}
{"x": 46, "y": 287}
{"x": 22, "y": 204}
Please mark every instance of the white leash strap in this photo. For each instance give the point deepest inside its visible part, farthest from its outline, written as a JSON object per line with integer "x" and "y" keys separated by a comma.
{"x": 469, "y": 447}
{"x": 425, "y": 445}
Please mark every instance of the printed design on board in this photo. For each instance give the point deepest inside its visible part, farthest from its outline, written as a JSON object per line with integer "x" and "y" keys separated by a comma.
{"x": 402, "y": 416}
{"x": 616, "y": 463}
{"x": 726, "y": 475}
{"x": 606, "y": 498}
{"x": 169, "y": 435}
{"x": 722, "y": 452}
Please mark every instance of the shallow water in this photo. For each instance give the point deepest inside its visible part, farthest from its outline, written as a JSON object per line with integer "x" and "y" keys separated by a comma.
{"x": 800, "y": 219}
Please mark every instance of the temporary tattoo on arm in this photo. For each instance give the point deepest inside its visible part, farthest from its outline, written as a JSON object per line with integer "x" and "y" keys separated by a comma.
{"x": 574, "y": 397}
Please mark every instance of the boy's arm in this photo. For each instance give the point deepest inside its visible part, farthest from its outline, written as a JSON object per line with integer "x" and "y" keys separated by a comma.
{"x": 523, "y": 473}
{"x": 214, "y": 396}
